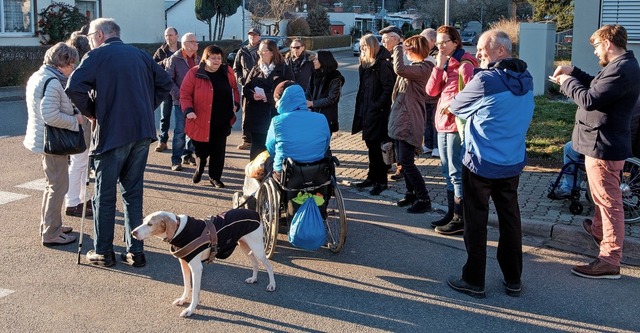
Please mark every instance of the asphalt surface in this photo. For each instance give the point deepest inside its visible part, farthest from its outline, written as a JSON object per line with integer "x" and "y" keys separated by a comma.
{"x": 391, "y": 275}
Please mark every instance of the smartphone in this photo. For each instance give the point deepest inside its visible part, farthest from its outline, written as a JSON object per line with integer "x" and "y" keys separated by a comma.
{"x": 552, "y": 79}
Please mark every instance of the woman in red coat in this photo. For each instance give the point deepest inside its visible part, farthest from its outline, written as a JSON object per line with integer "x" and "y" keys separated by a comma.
{"x": 209, "y": 98}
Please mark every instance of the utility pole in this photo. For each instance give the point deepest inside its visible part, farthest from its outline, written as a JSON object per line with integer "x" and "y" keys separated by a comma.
{"x": 243, "y": 24}
{"x": 446, "y": 12}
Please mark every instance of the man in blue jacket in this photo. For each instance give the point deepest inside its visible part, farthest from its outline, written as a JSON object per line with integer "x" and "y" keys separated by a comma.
{"x": 498, "y": 106}
{"x": 117, "y": 86}
{"x": 296, "y": 132}
{"x": 602, "y": 133}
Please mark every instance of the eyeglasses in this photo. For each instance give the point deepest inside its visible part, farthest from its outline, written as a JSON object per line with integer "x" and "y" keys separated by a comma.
{"x": 215, "y": 58}
{"x": 595, "y": 45}
{"x": 91, "y": 33}
{"x": 296, "y": 47}
{"x": 443, "y": 43}
{"x": 263, "y": 51}
{"x": 191, "y": 41}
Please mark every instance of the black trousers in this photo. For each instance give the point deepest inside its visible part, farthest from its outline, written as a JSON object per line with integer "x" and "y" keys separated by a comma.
{"x": 215, "y": 150}
{"x": 377, "y": 168}
{"x": 258, "y": 144}
{"x": 504, "y": 192}
{"x": 412, "y": 177}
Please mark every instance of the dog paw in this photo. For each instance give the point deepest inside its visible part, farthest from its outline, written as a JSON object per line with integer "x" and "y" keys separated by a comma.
{"x": 271, "y": 287}
{"x": 251, "y": 280}
{"x": 180, "y": 301}
{"x": 186, "y": 313}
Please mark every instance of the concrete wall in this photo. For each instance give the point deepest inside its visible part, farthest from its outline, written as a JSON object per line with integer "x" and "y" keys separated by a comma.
{"x": 139, "y": 20}
{"x": 182, "y": 16}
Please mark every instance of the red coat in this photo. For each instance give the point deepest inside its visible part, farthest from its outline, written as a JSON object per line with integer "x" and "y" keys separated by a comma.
{"x": 196, "y": 95}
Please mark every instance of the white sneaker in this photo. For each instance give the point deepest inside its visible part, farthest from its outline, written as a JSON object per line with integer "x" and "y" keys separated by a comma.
{"x": 426, "y": 150}
{"x": 435, "y": 153}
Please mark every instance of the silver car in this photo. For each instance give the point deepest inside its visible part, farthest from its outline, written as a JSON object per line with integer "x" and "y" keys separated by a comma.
{"x": 356, "y": 46}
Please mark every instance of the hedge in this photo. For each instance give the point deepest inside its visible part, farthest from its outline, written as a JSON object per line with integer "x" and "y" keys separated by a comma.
{"x": 323, "y": 42}
{"x": 17, "y": 63}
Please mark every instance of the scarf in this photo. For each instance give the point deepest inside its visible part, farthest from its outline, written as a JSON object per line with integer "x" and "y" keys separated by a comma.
{"x": 58, "y": 74}
{"x": 267, "y": 69}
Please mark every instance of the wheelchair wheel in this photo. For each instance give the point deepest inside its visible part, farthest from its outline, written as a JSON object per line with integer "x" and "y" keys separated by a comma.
{"x": 336, "y": 219}
{"x": 575, "y": 208}
{"x": 268, "y": 209}
{"x": 630, "y": 187}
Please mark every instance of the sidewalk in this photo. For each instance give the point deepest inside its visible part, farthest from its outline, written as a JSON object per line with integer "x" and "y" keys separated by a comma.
{"x": 541, "y": 216}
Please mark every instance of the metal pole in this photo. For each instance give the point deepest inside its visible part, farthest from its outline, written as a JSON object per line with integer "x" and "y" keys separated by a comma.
{"x": 243, "y": 24}
{"x": 446, "y": 12}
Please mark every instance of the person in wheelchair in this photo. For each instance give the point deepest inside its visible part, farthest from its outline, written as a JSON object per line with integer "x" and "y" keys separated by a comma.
{"x": 563, "y": 191}
{"x": 295, "y": 132}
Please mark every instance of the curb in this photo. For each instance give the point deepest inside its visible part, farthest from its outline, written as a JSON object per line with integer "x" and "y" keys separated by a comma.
{"x": 11, "y": 94}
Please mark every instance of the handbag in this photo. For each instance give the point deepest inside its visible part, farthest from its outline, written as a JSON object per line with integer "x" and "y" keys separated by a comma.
{"x": 61, "y": 141}
{"x": 388, "y": 152}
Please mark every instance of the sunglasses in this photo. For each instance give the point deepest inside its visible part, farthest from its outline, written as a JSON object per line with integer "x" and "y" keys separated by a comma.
{"x": 296, "y": 47}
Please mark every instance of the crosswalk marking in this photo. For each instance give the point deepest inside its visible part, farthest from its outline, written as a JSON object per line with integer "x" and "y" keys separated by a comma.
{"x": 6, "y": 197}
{"x": 37, "y": 184}
{"x": 6, "y": 292}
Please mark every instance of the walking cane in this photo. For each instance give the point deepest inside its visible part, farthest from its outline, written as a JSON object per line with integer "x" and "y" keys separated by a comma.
{"x": 84, "y": 210}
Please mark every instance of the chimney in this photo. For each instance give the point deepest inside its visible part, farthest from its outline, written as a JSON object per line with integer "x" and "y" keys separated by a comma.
{"x": 337, "y": 7}
{"x": 356, "y": 9}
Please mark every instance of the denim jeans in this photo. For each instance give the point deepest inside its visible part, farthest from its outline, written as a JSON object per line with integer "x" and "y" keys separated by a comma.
{"x": 430, "y": 133}
{"x": 450, "y": 149}
{"x": 165, "y": 118}
{"x": 570, "y": 155}
{"x": 181, "y": 145}
{"x": 412, "y": 176}
{"x": 125, "y": 164}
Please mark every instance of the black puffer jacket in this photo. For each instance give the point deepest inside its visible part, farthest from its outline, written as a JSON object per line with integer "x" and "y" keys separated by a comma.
{"x": 373, "y": 101}
{"x": 324, "y": 91}
{"x": 258, "y": 114}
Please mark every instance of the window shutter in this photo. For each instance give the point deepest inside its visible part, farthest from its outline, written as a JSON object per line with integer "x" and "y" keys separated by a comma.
{"x": 625, "y": 13}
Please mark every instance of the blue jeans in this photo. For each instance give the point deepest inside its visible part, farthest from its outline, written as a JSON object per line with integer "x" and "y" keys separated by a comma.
{"x": 165, "y": 118}
{"x": 450, "y": 149}
{"x": 181, "y": 145}
{"x": 570, "y": 155}
{"x": 412, "y": 176}
{"x": 430, "y": 133}
{"x": 125, "y": 164}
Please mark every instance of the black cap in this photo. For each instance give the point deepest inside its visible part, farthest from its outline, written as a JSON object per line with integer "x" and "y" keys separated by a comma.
{"x": 391, "y": 28}
{"x": 279, "y": 90}
{"x": 254, "y": 31}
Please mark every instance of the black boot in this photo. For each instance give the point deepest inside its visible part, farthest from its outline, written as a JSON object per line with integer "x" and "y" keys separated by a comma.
{"x": 197, "y": 175}
{"x": 420, "y": 206}
{"x": 456, "y": 226}
{"x": 409, "y": 199}
{"x": 449, "y": 215}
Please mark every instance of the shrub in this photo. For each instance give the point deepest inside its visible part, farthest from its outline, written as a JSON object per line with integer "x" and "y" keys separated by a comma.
{"x": 58, "y": 21}
{"x": 298, "y": 27}
{"x": 324, "y": 42}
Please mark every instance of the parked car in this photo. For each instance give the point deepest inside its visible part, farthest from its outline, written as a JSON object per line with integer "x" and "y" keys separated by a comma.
{"x": 356, "y": 46}
{"x": 280, "y": 41}
{"x": 470, "y": 37}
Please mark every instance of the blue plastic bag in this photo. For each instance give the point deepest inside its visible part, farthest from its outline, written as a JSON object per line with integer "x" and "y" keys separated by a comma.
{"x": 307, "y": 227}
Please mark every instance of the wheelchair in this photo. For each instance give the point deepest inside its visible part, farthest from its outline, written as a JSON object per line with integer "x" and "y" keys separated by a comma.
{"x": 273, "y": 201}
{"x": 629, "y": 185}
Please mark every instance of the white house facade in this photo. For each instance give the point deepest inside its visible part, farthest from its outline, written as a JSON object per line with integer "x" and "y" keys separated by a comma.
{"x": 141, "y": 21}
{"x": 181, "y": 15}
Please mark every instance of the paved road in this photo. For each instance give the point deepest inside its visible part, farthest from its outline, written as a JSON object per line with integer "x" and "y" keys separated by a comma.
{"x": 390, "y": 276}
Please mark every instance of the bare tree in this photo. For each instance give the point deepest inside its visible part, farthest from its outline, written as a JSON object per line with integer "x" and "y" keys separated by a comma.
{"x": 273, "y": 10}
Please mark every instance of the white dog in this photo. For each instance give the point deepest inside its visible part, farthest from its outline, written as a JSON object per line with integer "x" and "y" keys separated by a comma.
{"x": 191, "y": 245}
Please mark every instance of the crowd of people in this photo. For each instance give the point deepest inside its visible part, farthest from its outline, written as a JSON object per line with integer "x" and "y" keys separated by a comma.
{"x": 421, "y": 94}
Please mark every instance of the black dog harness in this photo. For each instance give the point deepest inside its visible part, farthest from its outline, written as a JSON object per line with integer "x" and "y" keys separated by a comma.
{"x": 219, "y": 233}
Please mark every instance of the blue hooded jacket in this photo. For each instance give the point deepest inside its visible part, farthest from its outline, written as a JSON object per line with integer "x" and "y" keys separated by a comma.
{"x": 498, "y": 106}
{"x": 297, "y": 132}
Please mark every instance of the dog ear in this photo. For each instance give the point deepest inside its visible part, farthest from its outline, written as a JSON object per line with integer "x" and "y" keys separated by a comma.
{"x": 170, "y": 226}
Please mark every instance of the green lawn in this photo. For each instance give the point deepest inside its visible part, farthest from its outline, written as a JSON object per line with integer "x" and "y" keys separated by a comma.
{"x": 550, "y": 129}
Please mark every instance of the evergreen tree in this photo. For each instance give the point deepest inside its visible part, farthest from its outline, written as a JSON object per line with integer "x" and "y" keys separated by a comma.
{"x": 319, "y": 22}
{"x": 559, "y": 11}
{"x": 205, "y": 11}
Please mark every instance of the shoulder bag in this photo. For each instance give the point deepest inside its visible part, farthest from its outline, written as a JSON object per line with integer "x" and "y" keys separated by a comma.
{"x": 61, "y": 141}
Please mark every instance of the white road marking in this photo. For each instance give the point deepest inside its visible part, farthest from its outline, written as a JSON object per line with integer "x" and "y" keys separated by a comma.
{"x": 6, "y": 197}
{"x": 6, "y": 292}
{"x": 37, "y": 184}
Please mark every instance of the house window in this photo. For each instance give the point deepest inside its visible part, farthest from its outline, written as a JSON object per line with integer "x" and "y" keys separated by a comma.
{"x": 625, "y": 13}
{"x": 88, "y": 8}
{"x": 16, "y": 16}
